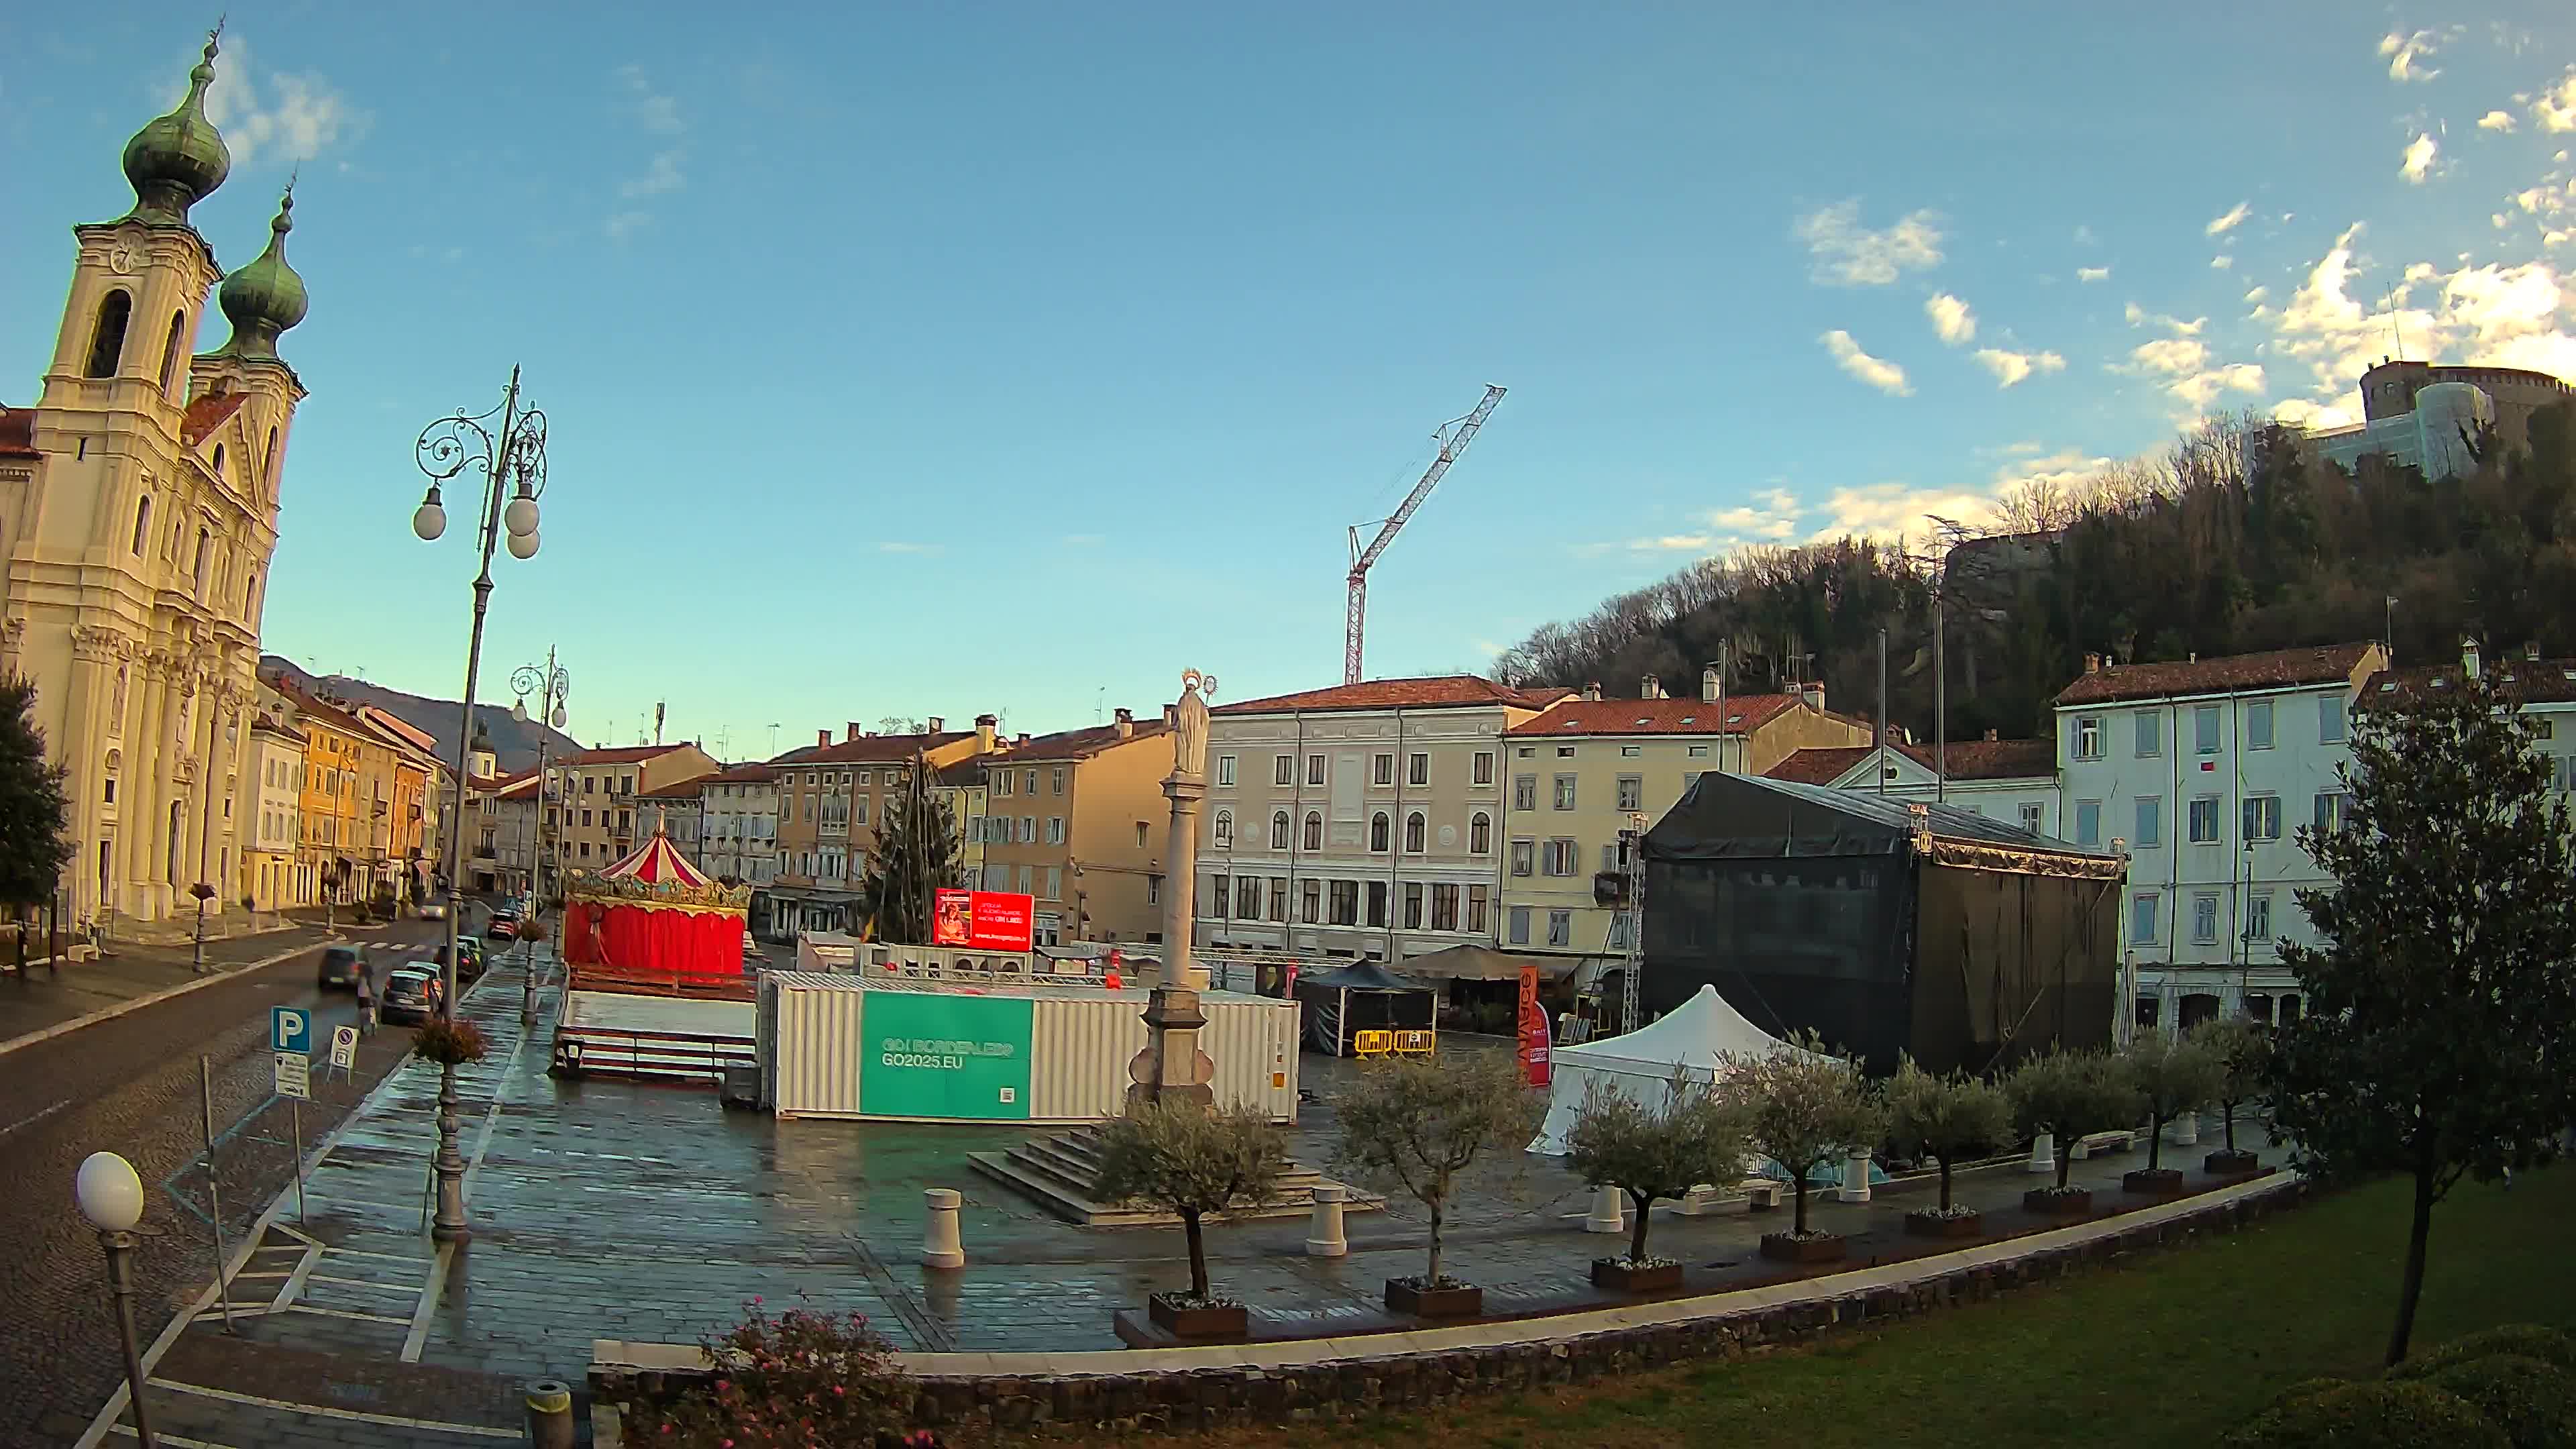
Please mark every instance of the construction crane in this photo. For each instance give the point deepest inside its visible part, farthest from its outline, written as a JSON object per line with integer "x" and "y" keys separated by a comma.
{"x": 1454, "y": 437}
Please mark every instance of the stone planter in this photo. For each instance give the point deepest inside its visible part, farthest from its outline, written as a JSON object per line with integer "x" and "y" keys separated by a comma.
{"x": 2225, "y": 1163}
{"x": 1933, "y": 1225}
{"x": 2071, "y": 1203}
{"x": 2154, "y": 1182}
{"x": 1614, "y": 1276}
{"x": 1230, "y": 1322}
{"x": 1459, "y": 1300}
{"x": 1788, "y": 1248}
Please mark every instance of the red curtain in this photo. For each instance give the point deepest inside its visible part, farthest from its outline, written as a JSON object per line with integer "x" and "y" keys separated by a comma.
{"x": 581, "y": 934}
{"x": 691, "y": 943}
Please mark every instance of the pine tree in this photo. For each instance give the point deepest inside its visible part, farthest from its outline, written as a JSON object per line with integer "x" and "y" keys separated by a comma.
{"x": 2440, "y": 1035}
{"x": 914, "y": 858}
{"x": 35, "y": 841}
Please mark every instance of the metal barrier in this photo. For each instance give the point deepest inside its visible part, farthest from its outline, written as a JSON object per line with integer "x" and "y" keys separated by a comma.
{"x": 583, "y": 1051}
{"x": 979, "y": 968}
{"x": 1380, "y": 1041}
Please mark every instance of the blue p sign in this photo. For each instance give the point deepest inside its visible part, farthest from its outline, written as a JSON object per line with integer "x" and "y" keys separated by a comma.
{"x": 290, "y": 1029}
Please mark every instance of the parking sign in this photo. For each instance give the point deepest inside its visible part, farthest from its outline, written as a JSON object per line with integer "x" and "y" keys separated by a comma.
{"x": 290, "y": 1029}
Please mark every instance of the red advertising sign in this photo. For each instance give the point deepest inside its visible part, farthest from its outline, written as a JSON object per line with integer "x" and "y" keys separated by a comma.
{"x": 983, "y": 920}
{"x": 1535, "y": 1067}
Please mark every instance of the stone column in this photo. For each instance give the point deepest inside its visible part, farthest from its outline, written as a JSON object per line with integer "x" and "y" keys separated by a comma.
{"x": 941, "y": 1247}
{"x": 2043, "y": 1154}
{"x": 145, "y": 810}
{"x": 1324, "y": 1238}
{"x": 83, "y": 747}
{"x": 1609, "y": 1211}
{"x": 2186, "y": 1129}
{"x": 1855, "y": 1186}
{"x": 1171, "y": 1067}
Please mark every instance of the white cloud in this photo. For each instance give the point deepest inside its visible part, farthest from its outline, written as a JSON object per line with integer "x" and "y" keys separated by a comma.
{"x": 2221, "y": 262}
{"x": 2555, "y": 108}
{"x": 2404, "y": 51}
{"x": 653, "y": 110}
{"x": 2172, "y": 355}
{"x": 2199, "y": 388}
{"x": 2420, "y": 153}
{"x": 2139, "y": 316}
{"x": 2013, "y": 367}
{"x": 1951, "y": 318}
{"x": 664, "y": 176}
{"x": 1894, "y": 510}
{"x": 1772, "y": 517}
{"x": 2257, "y": 294}
{"x": 2509, "y": 316}
{"x": 2227, "y": 222}
{"x": 2299, "y": 412}
{"x": 1847, "y": 254}
{"x": 2496, "y": 121}
{"x": 2091, "y": 274}
{"x": 1878, "y": 372}
{"x": 293, "y": 117}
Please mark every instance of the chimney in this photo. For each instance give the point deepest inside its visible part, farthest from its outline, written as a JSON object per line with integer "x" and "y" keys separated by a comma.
{"x": 2468, "y": 657}
{"x": 1171, "y": 716}
{"x": 1653, "y": 688}
{"x": 850, "y": 731}
{"x": 2092, "y": 663}
{"x": 1814, "y": 695}
{"x": 1990, "y": 735}
{"x": 822, "y": 737}
{"x": 1592, "y": 692}
{"x": 1708, "y": 686}
{"x": 1022, "y": 742}
{"x": 1126, "y": 721}
{"x": 986, "y": 726}
{"x": 937, "y": 724}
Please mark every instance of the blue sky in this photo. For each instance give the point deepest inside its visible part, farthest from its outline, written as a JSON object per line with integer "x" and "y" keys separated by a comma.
{"x": 930, "y": 360}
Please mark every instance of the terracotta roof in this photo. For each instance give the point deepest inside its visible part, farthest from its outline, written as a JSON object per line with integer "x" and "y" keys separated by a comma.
{"x": 2232, "y": 674}
{"x": 18, "y": 433}
{"x": 1080, "y": 744}
{"x": 968, "y": 771}
{"x": 1443, "y": 691}
{"x": 683, "y": 790}
{"x": 2537, "y": 681}
{"x": 524, "y": 785}
{"x": 1969, "y": 760}
{"x": 875, "y": 749}
{"x": 207, "y": 414}
{"x": 621, "y": 755}
{"x": 751, "y": 774}
{"x": 328, "y": 713}
{"x": 1656, "y": 716}
{"x": 1820, "y": 764}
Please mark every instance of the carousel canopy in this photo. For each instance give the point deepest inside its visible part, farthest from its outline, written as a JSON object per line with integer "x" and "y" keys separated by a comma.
{"x": 656, "y": 862}
{"x": 656, "y": 874}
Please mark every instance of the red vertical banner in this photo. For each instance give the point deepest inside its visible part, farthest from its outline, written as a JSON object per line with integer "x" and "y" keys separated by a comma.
{"x": 1534, "y": 1035}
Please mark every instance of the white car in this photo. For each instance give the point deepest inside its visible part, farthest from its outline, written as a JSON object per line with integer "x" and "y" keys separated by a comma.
{"x": 434, "y": 911}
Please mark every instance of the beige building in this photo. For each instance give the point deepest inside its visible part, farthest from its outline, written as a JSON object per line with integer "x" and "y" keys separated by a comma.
{"x": 1361, "y": 820}
{"x": 1579, "y": 771}
{"x": 273, "y": 823}
{"x": 1078, "y": 820}
{"x": 599, "y": 809}
{"x": 138, "y": 512}
{"x": 964, "y": 788}
{"x": 832, "y": 796}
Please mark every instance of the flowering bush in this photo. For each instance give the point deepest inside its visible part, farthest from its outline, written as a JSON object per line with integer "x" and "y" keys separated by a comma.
{"x": 800, "y": 1378}
{"x": 450, "y": 1042}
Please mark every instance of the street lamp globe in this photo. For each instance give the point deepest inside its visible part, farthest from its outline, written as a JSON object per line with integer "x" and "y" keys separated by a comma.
{"x": 109, "y": 1193}
{"x": 521, "y": 515}
{"x": 523, "y": 545}
{"x": 430, "y": 520}
{"x": 519, "y": 709}
{"x": 560, "y": 717}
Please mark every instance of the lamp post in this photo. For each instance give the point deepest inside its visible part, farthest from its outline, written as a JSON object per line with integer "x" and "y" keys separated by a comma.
{"x": 511, "y": 455}
{"x": 550, "y": 684}
{"x": 111, "y": 1197}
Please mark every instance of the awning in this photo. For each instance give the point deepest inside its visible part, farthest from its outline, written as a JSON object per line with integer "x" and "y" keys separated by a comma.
{"x": 1478, "y": 963}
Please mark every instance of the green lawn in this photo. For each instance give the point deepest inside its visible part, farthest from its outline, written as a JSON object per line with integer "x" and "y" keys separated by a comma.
{"x": 2169, "y": 1349}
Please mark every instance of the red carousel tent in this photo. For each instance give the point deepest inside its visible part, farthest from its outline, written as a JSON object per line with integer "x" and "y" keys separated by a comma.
{"x": 653, "y": 914}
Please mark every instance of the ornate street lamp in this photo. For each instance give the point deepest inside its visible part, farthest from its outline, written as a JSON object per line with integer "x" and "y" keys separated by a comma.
{"x": 111, "y": 1197}
{"x": 550, "y": 684}
{"x": 511, "y": 455}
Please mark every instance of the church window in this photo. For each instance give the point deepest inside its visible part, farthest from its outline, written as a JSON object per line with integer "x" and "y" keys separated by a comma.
{"x": 219, "y": 462}
{"x": 198, "y": 569}
{"x": 142, "y": 523}
{"x": 107, "y": 340}
{"x": 250, "y": 594}
{"x": 273, "y": 462}
{"x": 170, "y": 354}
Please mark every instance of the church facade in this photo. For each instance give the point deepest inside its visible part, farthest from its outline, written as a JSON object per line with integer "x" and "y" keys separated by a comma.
{"x": 138, "y": 515}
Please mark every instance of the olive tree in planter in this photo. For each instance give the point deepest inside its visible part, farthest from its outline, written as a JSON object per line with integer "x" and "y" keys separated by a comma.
{"x": 1412, "y": 1125}
{"x": 1698, "y": 1133}
{"x": 2243, "y": 1050}
{"x": 1808, "y": 1108}
{"x": 2171, "y": 1075}
{"x": 2068, "y": 1095}
{"x": 1193, "y": 1163}
{"x": 1950, "y": 1120}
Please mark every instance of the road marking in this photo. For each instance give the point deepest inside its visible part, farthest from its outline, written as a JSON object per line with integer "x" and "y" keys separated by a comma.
{"x": 33, "y": 1118}
{"x": 327, "y": 1411}
{"x": 343, "y": 1313}
{"x": 165, "y": 1437}
{"x": 371, "y": 1283}
{"x": 428, "y": 1305}
{"x": 149, "y": 999}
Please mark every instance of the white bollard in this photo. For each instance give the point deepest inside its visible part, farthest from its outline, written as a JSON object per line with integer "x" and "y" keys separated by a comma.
{"x": 2186, "y": 1130}
{"x": 1609, "y": 1212}
{"x": 940, "y": 1245}
{"x": 1324, "y": 1232}
{"x": 2043, "y": 1154}
{"x": 1855, "y": 1186}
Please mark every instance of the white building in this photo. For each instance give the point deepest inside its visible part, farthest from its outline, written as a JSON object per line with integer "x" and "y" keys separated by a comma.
{"x": 274, "y": 765}
{"x": 2204, "y": 770}
{"x": 2014, "y": 781}
{"x": 739, "y": 834}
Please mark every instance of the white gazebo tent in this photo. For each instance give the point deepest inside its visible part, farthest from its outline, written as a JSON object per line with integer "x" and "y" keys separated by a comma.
{"x": 1696, "y": 1036}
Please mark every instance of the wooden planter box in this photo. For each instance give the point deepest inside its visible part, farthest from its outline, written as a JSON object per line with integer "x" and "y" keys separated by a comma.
{"x": 2224, "y": 1163}
{"x": 2153, "y": 1182}
{"x": 2050, "y": 1200}
{"x": 1933, "y": 1225}
{"x": 1783, "y": 1248}
{"x": 1233, "y": 1321}
{"x": 1617, "y": 1277}
{"x": 1461, "y": 1302}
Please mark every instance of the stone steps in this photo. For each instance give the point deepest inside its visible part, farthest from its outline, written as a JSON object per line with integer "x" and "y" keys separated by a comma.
{"x": 1061, "y": 1174}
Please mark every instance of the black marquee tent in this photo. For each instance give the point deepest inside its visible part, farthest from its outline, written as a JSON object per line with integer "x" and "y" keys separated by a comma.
{"x": 1363, "y": 996}
{"x": 1883, "y": 925}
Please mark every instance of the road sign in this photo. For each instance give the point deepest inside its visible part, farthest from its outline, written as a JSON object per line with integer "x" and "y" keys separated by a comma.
{"x": 294, "y": 1074}
{"x": 344, "y": 1048}
{"x": 290, "y": 1029}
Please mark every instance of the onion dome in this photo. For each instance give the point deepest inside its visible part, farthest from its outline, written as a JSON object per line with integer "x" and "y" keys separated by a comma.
{"x": 266, "y": 297}
{"x": 178, "y": 160}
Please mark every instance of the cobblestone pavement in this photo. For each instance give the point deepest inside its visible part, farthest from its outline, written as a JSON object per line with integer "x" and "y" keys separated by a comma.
{"x": 130, "y": 1085}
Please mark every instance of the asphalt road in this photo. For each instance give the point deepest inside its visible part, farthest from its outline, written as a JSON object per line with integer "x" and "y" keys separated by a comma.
{"x": 130, "y": 1085}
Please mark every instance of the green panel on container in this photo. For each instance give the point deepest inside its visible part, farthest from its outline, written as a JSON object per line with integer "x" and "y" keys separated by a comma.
{"x": 933, "y": 1055}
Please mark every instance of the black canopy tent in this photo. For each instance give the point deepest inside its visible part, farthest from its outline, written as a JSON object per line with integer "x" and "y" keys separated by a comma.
{"x": 1363, "y": 996}
{"x": 1882, "y": 925}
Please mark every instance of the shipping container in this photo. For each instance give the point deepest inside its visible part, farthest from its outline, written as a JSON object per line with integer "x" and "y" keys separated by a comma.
{"x": 844, "y": 1046}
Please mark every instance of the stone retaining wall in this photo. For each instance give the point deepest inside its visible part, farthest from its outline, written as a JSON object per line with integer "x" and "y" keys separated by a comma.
{"x": 1182, "y": 1389}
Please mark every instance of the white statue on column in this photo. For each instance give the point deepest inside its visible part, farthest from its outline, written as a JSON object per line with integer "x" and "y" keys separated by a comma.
{"x": 1171, "y": 1067}
{"x": 1190, "y": 725}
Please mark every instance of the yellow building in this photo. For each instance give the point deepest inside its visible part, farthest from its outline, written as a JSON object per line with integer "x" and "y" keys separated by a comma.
{"x": 331, "y": 839}
{"x": 965, "y": 789}
{"x": 599, "y": 788}
{"x": 138, "y": 513}
{"x": 1078, "y": 820}
{"x": 272, "y": 878}
{"x": 831, "y": 800}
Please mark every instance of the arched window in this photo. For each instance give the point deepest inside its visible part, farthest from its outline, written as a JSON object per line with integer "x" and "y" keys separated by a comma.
{"x": 1480, "y": 834}
{"x": 219, "y": 462}
{"x": 1314, "y": 830}
{"x": 170, "y": 353}
{"x": 107, "y": 339}
{"x": 274, "y": 462}
{"x": 142, "y": 523}
{"x": 250, "y": 596}
{"x": 1279, "y": 830}
{"x": 1413, "y": 833}
{"x": 1225, "y": 830}
{"x": 1378, "y": 831}
{"x": 197, "y": 570}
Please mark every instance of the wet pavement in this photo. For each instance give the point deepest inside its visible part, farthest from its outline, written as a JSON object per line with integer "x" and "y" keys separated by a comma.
{"x": 648, "y": 1213}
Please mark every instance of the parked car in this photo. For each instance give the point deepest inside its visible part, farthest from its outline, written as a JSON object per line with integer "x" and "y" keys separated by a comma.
{"x": 471, "y": 962}
{"x": 504, "y": 925}
{"x": 411, "y": 993}
{"x": 340, "y": 966}
{"x": 433, "y": 910}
